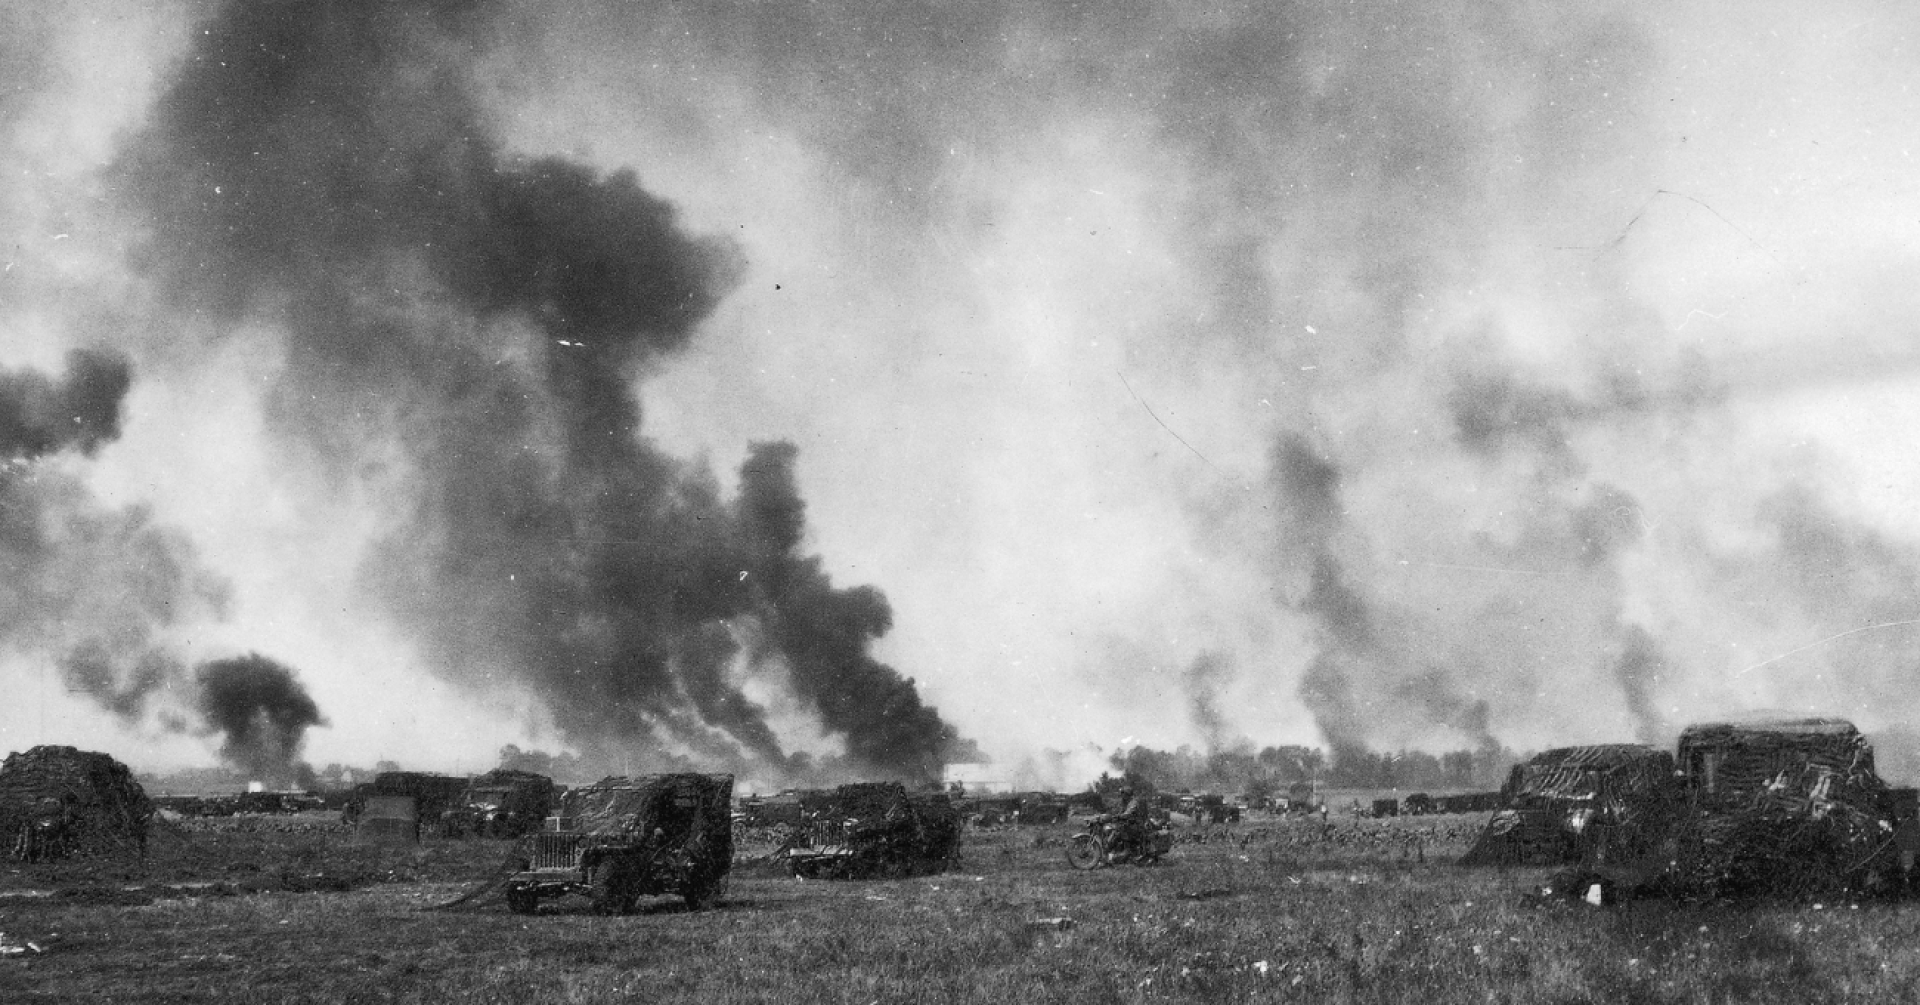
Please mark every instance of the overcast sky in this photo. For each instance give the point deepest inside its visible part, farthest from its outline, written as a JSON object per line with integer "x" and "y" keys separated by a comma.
{"x": 1389, "y": 374}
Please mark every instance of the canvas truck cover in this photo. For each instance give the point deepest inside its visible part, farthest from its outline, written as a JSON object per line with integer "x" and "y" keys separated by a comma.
{"x": 1598, "y": 772}
{"x": 1780, "y": 806}
{"x": 389, "y": 819}
{"x": 619, "y": 806}
{"x": 1790, "y": 805}
{"x": 1562, "y": 801}
{"x": 1793, "y": 762}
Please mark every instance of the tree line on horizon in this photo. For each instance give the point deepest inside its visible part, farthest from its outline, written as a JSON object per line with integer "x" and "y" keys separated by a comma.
{"x": 1272, "y": 770}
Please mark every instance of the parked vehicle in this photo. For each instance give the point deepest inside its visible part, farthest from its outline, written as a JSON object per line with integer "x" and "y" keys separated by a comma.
{"x": 624, "y": 838}
{"x": 1109, "y": 841}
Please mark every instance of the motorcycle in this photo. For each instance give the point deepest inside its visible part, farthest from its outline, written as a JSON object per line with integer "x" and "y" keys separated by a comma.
{"x": 1104, "y": 843}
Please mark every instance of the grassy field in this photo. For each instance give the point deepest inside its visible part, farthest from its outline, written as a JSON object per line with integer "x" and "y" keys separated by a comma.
{"x": 1363, "y": 911}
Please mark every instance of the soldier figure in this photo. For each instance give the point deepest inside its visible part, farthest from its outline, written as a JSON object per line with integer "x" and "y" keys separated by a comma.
{"x": 1135, "y": 819}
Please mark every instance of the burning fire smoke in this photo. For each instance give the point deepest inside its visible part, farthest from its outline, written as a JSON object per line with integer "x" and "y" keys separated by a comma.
{"x": 1366, "y": 375}
{"x": 320, "y": 172}
{"x": 262, "y": 714}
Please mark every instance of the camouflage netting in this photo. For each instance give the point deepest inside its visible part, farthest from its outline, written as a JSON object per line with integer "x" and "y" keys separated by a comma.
{"x": 1793, "y": 763}
{"x": 644, "y": 803}
{"x": 874, "y": 829}
{"x": 1787, "y": 807}
{"x": 1560, "y": 801}
{"x": 58, "y": 801}
{"x": 519, "y": 801}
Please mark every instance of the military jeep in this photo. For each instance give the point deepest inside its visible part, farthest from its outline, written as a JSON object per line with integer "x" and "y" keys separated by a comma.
{"x": 623, "y": 838}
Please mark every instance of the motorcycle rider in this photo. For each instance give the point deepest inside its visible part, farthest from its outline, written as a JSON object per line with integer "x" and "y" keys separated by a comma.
{"x": 1134, "y": 822}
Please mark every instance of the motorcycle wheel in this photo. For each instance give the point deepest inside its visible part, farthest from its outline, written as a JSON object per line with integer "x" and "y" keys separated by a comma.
{"x": 1086, "y": 851}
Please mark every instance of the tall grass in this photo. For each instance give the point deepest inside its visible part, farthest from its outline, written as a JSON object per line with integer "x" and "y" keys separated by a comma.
{"x": 1280, "y": 918}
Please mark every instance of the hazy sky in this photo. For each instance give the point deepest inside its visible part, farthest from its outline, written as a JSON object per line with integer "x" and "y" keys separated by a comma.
{"x": 1395, "y": 374}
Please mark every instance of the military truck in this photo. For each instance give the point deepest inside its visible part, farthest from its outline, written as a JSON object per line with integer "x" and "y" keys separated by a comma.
{"x": 623, "y": 838}
{"x": 874, "y": 829}
{"x": 1790, "y": 804}
{"x": 503, "y": 803}
{"x": 433, "y": 795}
{"x": 1569, "y": 804}
{"x": 1764, "y": 806}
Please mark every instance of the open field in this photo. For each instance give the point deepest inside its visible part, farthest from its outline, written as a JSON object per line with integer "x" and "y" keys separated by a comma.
{"x": 1261, "y": 911}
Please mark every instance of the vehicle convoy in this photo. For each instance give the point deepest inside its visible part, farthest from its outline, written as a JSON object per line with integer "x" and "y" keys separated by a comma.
{"x": 1108, "y": 841}
{"x": 623, "y": 838}
{"x": 1775, "y": 806}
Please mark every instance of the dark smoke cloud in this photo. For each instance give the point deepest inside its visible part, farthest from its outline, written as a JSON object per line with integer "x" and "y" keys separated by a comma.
{"x": 323, "y": 167}
{"x": 1342, "y": 177}
{"x": 261, "y": 713}
{"x": 95, "y": 589}
{"x": 39, "y": 416}
{"x": 1349, "y": 645}
{"x": 1493, "y": 472}
{"x": 1581, "y": 526}
{"x": 824, "y": 632}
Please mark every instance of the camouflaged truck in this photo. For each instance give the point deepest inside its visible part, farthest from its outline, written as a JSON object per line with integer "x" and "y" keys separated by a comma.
{"x": 503, "y": 803}
{"x": 1773, "y": 806}
{"x": 871, "y": 830}
{"x": 1790, "y": 805}
{"x": 1570, "y": 804}
{"x": 624, "y": 838}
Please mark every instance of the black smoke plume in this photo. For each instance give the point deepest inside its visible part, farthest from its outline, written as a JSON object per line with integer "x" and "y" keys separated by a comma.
{"x": 1374, "y": 672}
{"x": 322, "y": 167}
{"x": 1308, "y": 486}
{"x": 261, "y": 713}
{"x": 95, "y": 588}
{"x": 39, "y": 416}
{"x": 823, "y": 632}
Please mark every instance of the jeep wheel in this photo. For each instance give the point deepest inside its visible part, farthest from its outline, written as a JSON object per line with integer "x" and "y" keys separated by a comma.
{"x": 609, "y": 890}
{"x": 522, "y": 899}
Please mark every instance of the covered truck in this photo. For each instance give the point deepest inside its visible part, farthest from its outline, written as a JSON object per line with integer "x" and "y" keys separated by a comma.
{"x": 874, "y": 829}
{"x": 1557, "y": 806}
{"x": 623, "y": 838}
{"x": 1789, "y": 805}
{"x": 1773, "y": 806}
{"x": 502, "y": 803}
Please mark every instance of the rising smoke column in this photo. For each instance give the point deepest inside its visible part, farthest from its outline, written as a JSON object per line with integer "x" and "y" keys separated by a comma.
{"x": 823, "y": 632}
{"x": 1377, "y": 665}
{"x": 260, "y": 712}
{"x": 1357, "y": 197}
{"x": 94, "y": 588}
{"x": 100, "y": 590}
{"x": 321, "y": 169}
{"x": 1203, "y": 678}
{"x": 1332, "y": 189}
